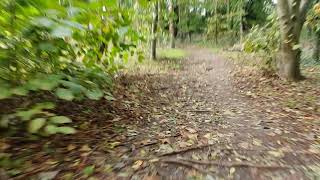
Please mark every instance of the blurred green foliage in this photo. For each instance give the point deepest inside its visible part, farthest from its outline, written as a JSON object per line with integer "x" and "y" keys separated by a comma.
{"x": 71, "y": 48}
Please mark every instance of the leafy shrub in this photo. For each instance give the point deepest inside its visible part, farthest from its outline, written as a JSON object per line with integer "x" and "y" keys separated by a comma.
{"x": 37, "y": 120}
{"x": 264, "y": 40}
{"x": 70, "y": 50}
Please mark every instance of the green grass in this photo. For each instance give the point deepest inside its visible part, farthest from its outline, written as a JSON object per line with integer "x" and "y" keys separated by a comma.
{"x": 171, "y": 54}
{"x": 167, "y": 60}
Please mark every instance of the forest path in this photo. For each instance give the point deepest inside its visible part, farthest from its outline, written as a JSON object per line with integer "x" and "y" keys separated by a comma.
{"x": 201, "y": 126}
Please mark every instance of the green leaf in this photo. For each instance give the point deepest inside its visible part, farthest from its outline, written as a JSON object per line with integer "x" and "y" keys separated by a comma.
{"x": 36, "y": 124}
{"x": 43, "y": 21}
{"x": 89, "y": 170}
{"x": 48, "y": 47}
{"x": 123, "y": 31}
{"x": 4, "y": 122}
{"x": 61, "y": 32}
{"x": 65, "y": 94}
{"x": 60, "y": 120}
{"x": 27, "y": 115}
{"x": 95, "y": 94}
{"x": 5, "y": 93}
{"x": 74, "y": 87}
{"x": 66, "y": 130}
{"x": 143, "y": 3}
{"x": 47, "y": 84}
{"x": 51, "y": 129}
{"x": 21, "y": 91}
{"x": 297, "y": 46}
{"x": 44, "y": 105}
{"x": 108, "y": 96}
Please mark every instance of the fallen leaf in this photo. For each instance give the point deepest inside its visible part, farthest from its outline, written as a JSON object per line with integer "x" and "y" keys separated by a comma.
{"x": 137, "y": 164}
{"x": 195, "y": 156}
{"x": 4, "y": 146}
{"x": 232, "y": 170}
{"x": 276, "y": 153}
{"x": 165, "y": 148}
{"x": 257, "y": 142}
{"x": 191, "y": 130}
{"x": 244, "y": 145}
{"x": 208, "y": 135}
{"x": 71, "y": 147}
{"x": 154, "y": 160}
{"x": 89, "y": 170}
{"x": 48, "y": 175}
{"x": 184, "y": 144}
{"x": 228, "y": 113}
{"x": 85, "y": 148}
{"x": 278, "y": 131}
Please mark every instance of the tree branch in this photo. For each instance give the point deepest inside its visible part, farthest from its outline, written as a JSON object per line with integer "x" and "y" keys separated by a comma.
{"x": 304, "y": 6}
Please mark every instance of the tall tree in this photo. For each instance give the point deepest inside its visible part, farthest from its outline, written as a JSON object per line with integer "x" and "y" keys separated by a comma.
{"x": 155, "y": 20}
{"x": 292, "y": 15}
{"x": 172, "y": 24}
{"x": 241, "y": 20}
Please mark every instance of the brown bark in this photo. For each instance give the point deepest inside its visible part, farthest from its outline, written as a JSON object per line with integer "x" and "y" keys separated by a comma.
{"x": 154, "y": 30}
{"x": 292, "y": 15}
{"x": 316, "y": 48}
{"x": 289, "y": 63}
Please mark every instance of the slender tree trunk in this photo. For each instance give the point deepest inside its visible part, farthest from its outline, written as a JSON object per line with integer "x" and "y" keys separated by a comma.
{"x": 292, "y": 15}
{"x": 172, "y": 24}
{"x": 241, "y": 21}
{"x": 228, "y": 21}
{"x": 216, "y": 22}
{"x": 154, "y": 30}
{"x": 316, "y": 48}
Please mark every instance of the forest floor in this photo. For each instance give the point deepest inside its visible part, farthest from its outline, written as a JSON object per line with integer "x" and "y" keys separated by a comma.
{"x": 204, "y": 119}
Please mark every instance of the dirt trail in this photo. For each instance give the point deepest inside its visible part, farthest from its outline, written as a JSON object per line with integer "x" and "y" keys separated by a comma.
{"x": 186, "y": 123}
{"x": 200, "y": 126}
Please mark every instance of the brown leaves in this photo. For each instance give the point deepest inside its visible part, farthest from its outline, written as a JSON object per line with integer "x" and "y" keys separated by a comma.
{"x": 277, "y": 154}
{"x": 137, "y": 164}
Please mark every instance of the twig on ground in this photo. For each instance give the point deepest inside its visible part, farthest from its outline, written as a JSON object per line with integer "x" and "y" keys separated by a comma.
{"x": 185, "y": 150}
{"x": 234, "y": 149}
{"x": 236, "y": 164}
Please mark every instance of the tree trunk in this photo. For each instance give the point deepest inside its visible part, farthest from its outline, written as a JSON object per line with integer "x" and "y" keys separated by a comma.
{"x": 216, "y": 22}
{"x": 241, "y": 21}
{"x": 154, "y": 30}
{"x": 172, "y": 24}
{"x": 316, "y": 48}
{"x": 292, "y": 15}
{"x": 289, "y": 63}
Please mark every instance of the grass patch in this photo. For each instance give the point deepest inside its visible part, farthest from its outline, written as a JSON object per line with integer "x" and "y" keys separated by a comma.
{"x": 171, "y": 54}
{"x": 168, "y": 59}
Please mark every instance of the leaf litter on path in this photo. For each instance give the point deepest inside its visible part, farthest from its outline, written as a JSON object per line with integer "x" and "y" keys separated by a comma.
{"x": 182, "y": 123}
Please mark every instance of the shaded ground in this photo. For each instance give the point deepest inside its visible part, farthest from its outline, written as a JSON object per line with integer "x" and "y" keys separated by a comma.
{"x": 196, "y": 122}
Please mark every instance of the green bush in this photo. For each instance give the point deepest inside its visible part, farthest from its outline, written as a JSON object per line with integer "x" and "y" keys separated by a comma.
{"x": 72, "y": 51}
{"x": 264, "y": 40}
